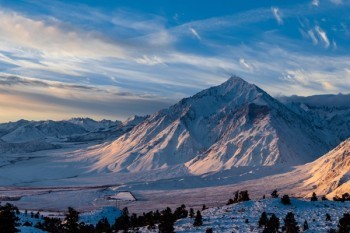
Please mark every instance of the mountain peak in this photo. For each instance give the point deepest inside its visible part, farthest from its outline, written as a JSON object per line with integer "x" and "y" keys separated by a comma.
{"x": 236, "y": 79}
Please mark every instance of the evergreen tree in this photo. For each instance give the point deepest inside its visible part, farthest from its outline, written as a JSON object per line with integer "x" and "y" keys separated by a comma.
{"x": 290, "y": 224}
{"x": 285, "y": 200}
{"x": 204, "y": 207}
{"x": 314, "y": 197}
{"x": 328, "y": 217}
{"x": 166, "y": 221}
{"x": 71, "y": 221}
{"x": 344, "y": 224}
{"x": 103, "y": 226}
{"x": 274, "y": 194}
{"x": 306, "y": 226}
{"x": 181, "y": 212}
{"x": 263, "y": 220}
{"x": 8, "y": 218}
{"x": 123, "y": 222}
{"x": 191, "y": 213}
{"x": 272, "y": 225}
{"x": 209, "y": 230}
{"x": 198, "y": 221}
{"x": 133, "y": 221}
{"x": 244, "y": 196}
{"x": 239, "y": 196}
{"x": 156, "y": 216}
{"x": 324, "y": 198}
{"x": 230, "y": 201}
{"x": 52, "y": 225}
{"x": 263, "y": 196}
{"x": 149, "y": 219}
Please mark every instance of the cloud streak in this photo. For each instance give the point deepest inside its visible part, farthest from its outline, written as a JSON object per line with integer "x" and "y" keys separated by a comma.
{"x": 322, "y": 35}
{"x": 195, "y": 33}
{"x": 277, "y": 14}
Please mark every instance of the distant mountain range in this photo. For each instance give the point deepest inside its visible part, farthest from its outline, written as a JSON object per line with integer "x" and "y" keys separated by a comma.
{"x": 29, "y": 136}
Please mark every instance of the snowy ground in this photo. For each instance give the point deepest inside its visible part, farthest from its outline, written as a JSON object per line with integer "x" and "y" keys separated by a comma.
{"x": 232, "y": 218}
{"x": 91, "y": 217}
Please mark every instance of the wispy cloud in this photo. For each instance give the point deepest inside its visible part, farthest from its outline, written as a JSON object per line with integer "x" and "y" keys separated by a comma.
{"x": 313, "y": 37}
{"x": 149, "y": 60}
{"x": 52, "y": 40}
{"x": 245, "y": 64}
{"x": 337, "y": 2}
{"x": 36, "y": 98}
{"x": 315, "y": 2}
{"x": 195, "y": 33}
{"x": 277, "y": 14}
{"x": 322, "y": 35}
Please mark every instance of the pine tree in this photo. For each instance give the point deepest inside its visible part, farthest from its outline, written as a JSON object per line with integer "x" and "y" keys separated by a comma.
{"x": 204, "y": 207}
{"x": 52, "y": 225}
{"x": 290, "y": 224}
{"x": 324, "y": 198}
{"x": 306, "y": 226}
{"x": 344, "y": 224}
{"x": 198, "y": 221}
{"x": 103, "y": 226}
{"x": 263, "y": 196}
{"x": 8, "y": 218}
{"x": 314, "y": 197}
{"x": 273, "y": 224}
{"x": 274, "y": 194}
{"x": 328, "y": 217}
{"x": 167, "y": 221}
{"x": 123, "y": 222}
{"x": 263, "y": 220}
{"x": 239, "y": 196}
{"x": 181, "y": 212}
{"x": 71, "y": 221}
{"x": 133, "y": 221}
{"x": 191, "y": 213}
{"x": 285, "y": 200}
{"x": 230, "y": 202}
{"x": 209, "y": 230}
{"x": 244, "y": 196}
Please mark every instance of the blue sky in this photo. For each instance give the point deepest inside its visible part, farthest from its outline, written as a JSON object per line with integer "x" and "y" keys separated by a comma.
{"x": 114, "y": 59}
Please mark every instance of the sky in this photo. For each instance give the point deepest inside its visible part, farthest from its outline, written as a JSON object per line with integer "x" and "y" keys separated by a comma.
{"x": 115, "y": 59}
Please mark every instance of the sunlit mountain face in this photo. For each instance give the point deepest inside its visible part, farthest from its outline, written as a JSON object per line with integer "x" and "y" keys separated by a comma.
{"x": 114, "y": 59}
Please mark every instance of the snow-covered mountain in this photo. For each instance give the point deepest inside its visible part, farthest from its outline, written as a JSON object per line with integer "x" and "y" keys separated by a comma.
{"x": 92, "y": 125}
{"x": 40, "y": 130}
{"x": 330, "y": 174}
{"x": 233, "y": 124}
{"x": 112, "y": 131}
{"x": 328, "y": 112}
{"x": 29, "y": 136}
{"x": 26, "y": 131}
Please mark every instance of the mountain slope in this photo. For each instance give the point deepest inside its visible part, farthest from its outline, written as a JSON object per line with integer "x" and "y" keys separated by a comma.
{"x": 330, "y": 174}
{"x": 233, "y": 124}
